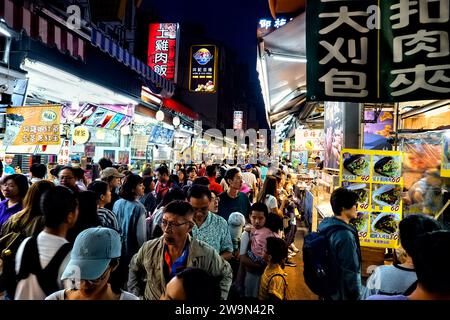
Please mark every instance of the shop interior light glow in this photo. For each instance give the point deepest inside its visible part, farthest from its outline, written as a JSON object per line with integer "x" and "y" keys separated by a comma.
{"x": 437, "y": 111}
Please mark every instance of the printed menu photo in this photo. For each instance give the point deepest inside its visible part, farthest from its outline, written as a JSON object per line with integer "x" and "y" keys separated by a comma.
{"x": 387, "y": 169}
{"x": 356, "y": 167}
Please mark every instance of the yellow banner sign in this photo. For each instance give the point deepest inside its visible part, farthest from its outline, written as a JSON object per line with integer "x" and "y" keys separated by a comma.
{"x": 376, "y": 176}
{"x": 445, "y": 164}
{"x": 37, "y": 125}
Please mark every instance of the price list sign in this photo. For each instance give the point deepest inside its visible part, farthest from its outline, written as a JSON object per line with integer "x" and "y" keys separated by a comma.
{"x": 376, "y": 177}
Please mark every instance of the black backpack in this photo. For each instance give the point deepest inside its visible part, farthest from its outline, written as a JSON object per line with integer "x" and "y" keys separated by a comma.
{"x": 31, "y": 264}
{"x": 320, "y": 274}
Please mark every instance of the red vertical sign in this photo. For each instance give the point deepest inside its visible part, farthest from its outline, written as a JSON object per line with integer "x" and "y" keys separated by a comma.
{"x": 162, "y": 49}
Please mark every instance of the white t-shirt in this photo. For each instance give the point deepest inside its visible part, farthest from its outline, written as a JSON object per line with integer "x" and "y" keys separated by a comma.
{"x": 249, "y": 179}
{"x": 48, "y": 245}
{"x": 59, "y": 295}
{"x": 271, "y": 202}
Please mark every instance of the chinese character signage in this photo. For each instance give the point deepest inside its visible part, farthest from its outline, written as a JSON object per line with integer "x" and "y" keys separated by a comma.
{"x": 238, "y": 119}
{"x": 309, "y": 139}
{"x": 162, "y": 49}
{"x": 358, "y": 51}
{"x": 37, "y": 125}
{"x": 64, "y": 152}
{"x": 203, "y": 68}
{"x": 445, "y": 164}
{"x": 376, "y": 176}
{"x": 266, "y": 25}
{"x": 80, "y": 135}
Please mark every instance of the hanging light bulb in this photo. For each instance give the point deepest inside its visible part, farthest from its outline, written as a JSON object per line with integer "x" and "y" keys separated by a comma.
{"x": 176, "y": 121}
{"x": 160, "y": 116}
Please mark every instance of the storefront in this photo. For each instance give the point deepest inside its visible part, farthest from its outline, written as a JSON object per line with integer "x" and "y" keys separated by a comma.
{"x": 97, "y": 86}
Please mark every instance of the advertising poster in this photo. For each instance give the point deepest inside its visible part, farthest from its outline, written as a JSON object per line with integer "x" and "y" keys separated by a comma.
{"x": 110, "y": 154}
{"x": 376, "y": 134}
{"x": 89, "y": 150}
{"x": 37, "y": 125}
{"x": 445, "y": 164}
{"x": 203, "y": 68}
{"x": 124, "y": 157}
{"x": 161, "y": 136}
{"x": 238, "y": 120}
{"x": 376, "y": 176}
{"x": 334, "y": 133}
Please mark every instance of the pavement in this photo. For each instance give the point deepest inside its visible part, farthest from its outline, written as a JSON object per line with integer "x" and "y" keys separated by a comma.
{"x": 297, "y": 288}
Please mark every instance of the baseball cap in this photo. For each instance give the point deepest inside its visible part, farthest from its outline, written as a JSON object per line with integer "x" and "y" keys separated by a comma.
{"x": 92, "y": 252}
{"x": 248, "y": 166}
{"x": 111, "y": 172}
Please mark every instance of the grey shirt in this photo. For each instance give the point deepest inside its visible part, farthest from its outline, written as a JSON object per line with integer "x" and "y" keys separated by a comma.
{"x": 389, "y": 280}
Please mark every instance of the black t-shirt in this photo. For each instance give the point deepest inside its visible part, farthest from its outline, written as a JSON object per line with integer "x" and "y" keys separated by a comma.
{"x": 228, "y": 205}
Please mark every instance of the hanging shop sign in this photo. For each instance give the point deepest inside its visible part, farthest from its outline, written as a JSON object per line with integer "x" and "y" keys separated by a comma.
{"x": 80, "y": 135}
{"x": 161, "y": 136}
{"x": 64, "y": 152}
{"x": 268, "y": 25}
{"x": 377, "y": 51}
{"x": 112, "y": 117}
{"x": 376, "y": 134}
{"x": 162, "y": 49}
{"x": 309, "y": 139}
{"x": 37, "y": 125}
{"x": 376, "y": 176}
{"x": 238, "y": 120}
{"x": 445, "y": 163}
{"x": 203, "y": 68}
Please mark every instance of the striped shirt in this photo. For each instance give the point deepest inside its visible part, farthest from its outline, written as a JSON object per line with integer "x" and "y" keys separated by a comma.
{"x": 108, "y": 219}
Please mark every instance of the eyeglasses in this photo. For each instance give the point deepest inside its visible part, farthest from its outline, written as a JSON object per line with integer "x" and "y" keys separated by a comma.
{"x": 170, "y": 224}
{"x": 66, "y": 178}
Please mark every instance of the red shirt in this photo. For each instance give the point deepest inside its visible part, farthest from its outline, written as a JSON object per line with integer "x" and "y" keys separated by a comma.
{"x": 214, "y": 186}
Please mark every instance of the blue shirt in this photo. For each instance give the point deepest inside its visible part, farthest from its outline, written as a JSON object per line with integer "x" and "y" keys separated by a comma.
{"x": 131, "y": 220}
{"x": 215, "y": 232}
{"x": 6, "y": 212}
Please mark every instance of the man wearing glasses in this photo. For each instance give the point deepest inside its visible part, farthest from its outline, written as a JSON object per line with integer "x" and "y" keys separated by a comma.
{"x": 67, "y": 178}
{"x": 209, "y": 227}
{"x": 159, "y": 260}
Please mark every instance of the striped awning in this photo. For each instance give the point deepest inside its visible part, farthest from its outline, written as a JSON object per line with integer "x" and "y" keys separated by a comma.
{"x": 40, "y": 28}
{"x": 152, "y": 80}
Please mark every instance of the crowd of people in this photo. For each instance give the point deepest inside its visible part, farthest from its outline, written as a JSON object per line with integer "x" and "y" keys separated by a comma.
{"x": 225, "y": 231}
{"x": 160, "y": 234}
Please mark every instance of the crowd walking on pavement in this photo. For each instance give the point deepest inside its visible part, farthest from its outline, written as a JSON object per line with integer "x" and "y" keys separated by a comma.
{"x": 225, "y": 231}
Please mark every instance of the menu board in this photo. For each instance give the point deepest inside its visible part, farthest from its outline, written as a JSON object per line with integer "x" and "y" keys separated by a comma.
{"x": 445, "y": 164}
{"x": 376, "y": 176}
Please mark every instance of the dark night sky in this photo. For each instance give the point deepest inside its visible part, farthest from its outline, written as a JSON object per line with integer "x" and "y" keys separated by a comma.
{"x": 231, "y": 22}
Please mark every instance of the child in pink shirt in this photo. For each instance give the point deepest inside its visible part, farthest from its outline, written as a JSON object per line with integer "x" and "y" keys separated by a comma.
{"x": 264, "y": 225}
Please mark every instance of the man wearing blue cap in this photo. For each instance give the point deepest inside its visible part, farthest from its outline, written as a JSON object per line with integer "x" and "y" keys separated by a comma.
{"x": 94, "y": 257}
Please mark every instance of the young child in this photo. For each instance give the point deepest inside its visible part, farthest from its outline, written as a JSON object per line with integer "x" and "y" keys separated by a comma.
{"x": 264, "y": 225}
{"x": 273, "y": 285}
